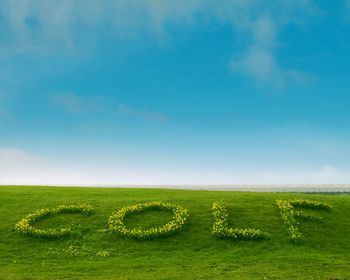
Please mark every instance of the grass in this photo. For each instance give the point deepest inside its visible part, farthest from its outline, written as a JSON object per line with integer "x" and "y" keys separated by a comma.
{"x": 192, "y": 253}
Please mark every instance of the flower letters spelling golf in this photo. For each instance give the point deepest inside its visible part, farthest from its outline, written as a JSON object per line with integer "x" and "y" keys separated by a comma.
{"x": 290, "y": 211}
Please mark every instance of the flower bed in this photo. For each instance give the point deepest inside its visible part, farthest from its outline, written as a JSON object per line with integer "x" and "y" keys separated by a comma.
{"x": 289, "y": 214}
{"x": 116, "y": 220}
{"x": 25, "y": 225}
{"x": 221, "y": 229}
{"x": 311, "y": 204}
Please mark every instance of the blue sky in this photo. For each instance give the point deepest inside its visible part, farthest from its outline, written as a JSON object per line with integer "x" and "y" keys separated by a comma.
{"x": 174, "y": 92}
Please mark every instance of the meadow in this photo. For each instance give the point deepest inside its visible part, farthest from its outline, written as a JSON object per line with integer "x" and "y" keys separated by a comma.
{"x": 94, "y": 252}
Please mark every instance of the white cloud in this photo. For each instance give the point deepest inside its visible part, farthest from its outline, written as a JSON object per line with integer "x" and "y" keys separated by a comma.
{"x": 22, "y": 167}
{"x": 259, "y": 61}
{"x": 328, "y": 174}
{"x": 55, "y": 25}
{"x": 72, "y": 103}
{"x": 138, "y": 113}
{"x": 10, "y": 156}
{"x": 18, "y": 166}
{"x": 347, "y": 5}
{"x": 76, "y": 104}
{"x": 260, "y": 64}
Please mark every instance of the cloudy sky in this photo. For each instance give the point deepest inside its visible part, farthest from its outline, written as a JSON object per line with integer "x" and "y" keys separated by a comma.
{"x": 174, "y": 92}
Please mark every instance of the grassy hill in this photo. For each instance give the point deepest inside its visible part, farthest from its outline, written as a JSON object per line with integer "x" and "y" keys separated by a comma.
{"x": 192, "y": 253}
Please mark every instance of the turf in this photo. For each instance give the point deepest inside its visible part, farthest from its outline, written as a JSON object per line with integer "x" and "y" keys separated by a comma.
{"x": 192, "y": 253}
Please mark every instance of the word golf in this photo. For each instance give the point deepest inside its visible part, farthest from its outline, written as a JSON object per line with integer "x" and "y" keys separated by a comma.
{"x": 290, "y": 210}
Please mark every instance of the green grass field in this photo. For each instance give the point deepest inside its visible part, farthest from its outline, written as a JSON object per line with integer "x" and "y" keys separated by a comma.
{"x": 192, "y": 253}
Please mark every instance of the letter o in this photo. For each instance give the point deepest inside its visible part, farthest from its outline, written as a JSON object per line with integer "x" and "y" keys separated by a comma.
{"x": 116, "y": 220}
